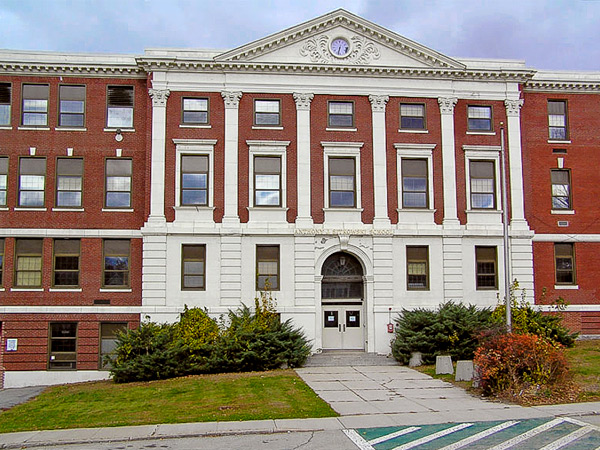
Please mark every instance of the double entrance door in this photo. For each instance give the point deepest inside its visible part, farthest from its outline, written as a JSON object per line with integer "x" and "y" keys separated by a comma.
{"x": 343, "y": 326}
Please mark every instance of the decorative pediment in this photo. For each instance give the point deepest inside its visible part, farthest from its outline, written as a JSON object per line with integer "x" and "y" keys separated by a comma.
{"x": 339, "y": 38}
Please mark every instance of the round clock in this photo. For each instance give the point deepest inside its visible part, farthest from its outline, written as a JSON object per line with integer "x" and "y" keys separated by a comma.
{"x": 340, "y": 47}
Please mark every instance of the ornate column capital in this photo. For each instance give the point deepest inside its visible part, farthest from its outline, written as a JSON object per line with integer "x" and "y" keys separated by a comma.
{"x": 159, "y": 96}
{"x": 447, "y": 104}
{"x": 303, "y": 101}
{"x": 232, "y": 99}
{"x": 378, "y": 102}
{"x": 513, "y": 107}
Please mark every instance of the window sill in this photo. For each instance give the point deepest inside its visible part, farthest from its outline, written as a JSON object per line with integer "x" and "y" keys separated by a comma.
{"x": 340, "y": 129}
{"x": 566, "y": 287}
{"x": 21, "y": 208}
{"x": 70, "y": 129}
{"x": 257, "y": 127}
{"x": 562, "y": 211}
{"x": 194, "y": 126}
{"x": 117, "y": 210}
{"x": 34, "y": 128}
{"x": 482, "y": 133}
{"x": 193, "y": 208}
{"x": 3, "y": 127}
{"x": 68, "y": 209}
{"x": 123, "y": 130}
{"x": 341, "y": 209}
{"x": 413, "y": 131}
{"x": 27, "y": 290}
{"x": 551, "y": 141}
{"x": 64, "y": 290}
{"x": 116, "y": 290}
{"x": 4, "y": 208}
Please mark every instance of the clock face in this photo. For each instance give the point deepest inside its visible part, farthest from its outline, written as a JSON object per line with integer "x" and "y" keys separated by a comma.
{"x": 340, "y": 47}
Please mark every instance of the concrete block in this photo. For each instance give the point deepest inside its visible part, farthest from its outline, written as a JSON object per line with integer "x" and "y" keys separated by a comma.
{"x": 443, "y": 365}
{"x": 416, "y": 359}
{"x": 464, "y": 371}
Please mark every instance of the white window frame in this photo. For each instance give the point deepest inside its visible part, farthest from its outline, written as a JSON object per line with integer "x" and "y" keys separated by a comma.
{"x": 194, "y": 147}
{"x": 487, "y": 153}
{"x": 268, "y": 148}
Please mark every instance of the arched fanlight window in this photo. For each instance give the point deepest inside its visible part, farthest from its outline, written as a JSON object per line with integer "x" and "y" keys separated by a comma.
{"x": 342, "y": 277}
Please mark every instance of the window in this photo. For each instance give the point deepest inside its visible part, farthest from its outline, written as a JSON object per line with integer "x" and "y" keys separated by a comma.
{"x": 561, "y": 189}
{"x": 28, "y": 263}
{"x": 69, "y": 182}
{"x": 194, "y": 111}
{"x": 342, "y": 186}
{"x": 193, "y": 259}
{"x": 5, "y": 97}
{"x": 194, "y": 180}
{"x": 483, "y": 184}
{"x": 414, "y": 183}
{"x": 118, "y": 183}
{"x": 35, "y": 105}
{"x": 267, "y": 181}
{"x": 120, "y": 107}
{"x": 487, "y": 274}
{"x": 66, "y": 263}
{"x": 116, "y": 263}
{"x": 557, "y": 120}
{"x": 1, "y": 260}
{"x": 108, "y": 340}
{"x": 3, "y": 180}
{"x": 267, "y": 267}
{"x": 412, "y": 116}
{"x": 32, "y": 179}
{"x": 564, "y": 259}
{"x": 71, "y": 106}
{"x": 267, "y": 112}
{"x": 62, "y": 346}
{"x": 340, "y": 114}
{"x": 417, "y": 268}
{"x": 479, "y": 118}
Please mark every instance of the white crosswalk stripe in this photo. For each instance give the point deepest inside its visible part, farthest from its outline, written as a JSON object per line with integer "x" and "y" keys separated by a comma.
{"x": 565, "y": 440}
{"x": 480, "y": 436}
{"x": 391, "y": 436}
{"x": 433, "y": 437}
{"x": 523, "y": 437}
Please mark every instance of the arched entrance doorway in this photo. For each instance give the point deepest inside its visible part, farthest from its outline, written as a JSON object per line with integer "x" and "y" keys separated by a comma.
{"x": 342, "y": 294}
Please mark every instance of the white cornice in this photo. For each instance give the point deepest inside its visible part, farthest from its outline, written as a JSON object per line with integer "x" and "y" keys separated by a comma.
{"x": 564, "y": 81}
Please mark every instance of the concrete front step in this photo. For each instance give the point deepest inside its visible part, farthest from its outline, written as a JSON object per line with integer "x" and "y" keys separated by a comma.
{"x": 345, "y": 358}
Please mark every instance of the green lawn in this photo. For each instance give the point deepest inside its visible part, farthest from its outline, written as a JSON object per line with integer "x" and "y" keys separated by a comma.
{"x": 206, "y": 398}
{"x": 585, "y": 367}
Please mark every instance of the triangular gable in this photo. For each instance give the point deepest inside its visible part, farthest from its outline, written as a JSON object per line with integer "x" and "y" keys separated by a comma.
{"x": 310, "y": 43}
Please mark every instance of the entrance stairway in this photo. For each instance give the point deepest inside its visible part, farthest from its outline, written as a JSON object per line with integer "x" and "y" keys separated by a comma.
{"x": 333, "y": 358}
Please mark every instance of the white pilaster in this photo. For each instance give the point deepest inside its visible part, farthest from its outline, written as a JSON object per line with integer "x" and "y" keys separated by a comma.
{"x": 513, "y": 118}
{"x": 157, "y": 177}
{"x": 232, "y": 102}
{"x": 453, "y": 266}
{"x": 304, "y": 217}
{"x": 231, "y": 270}
{"x": 378, "y": 104}
{"x": 304, "y": 271}
{"x": 383, "y": 270}
{"x": 154, "y": 268}
{"x": 448, "y": 161}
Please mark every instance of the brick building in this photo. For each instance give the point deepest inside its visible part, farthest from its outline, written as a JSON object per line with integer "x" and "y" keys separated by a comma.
{"x": 350, "y": 170}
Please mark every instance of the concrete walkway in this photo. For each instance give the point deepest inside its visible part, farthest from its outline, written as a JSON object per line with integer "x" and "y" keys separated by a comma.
{"x": 363, "y": 396}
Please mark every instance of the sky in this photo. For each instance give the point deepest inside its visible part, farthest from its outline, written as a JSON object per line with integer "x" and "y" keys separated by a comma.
{"x": 557, "y": 35}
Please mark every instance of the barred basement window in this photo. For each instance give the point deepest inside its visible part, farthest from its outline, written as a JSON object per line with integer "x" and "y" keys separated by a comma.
{"x": 564, "y": 260}
{"x": 35, "y": 105}
{"x": 557, "y": 120}
{"x": 116, "y": 263}
{"x": 69, "y": 182}
{"x": 417, "y": 268}
{"x": 28, "y": 263}
{"x": 412, "y": 116}
{"x": 194, "y": 180}
{"x": 5, "y": 100}
{"x": 63, "y": 346}
{"x": 3, "y": 180}
{"x": 267, "y": 112}
{"x": 66, "y": 263}
{"x": 194, "y": 111}
{"x": 71, "y": 106}
{"x": 119, "y": 107}
{"x": 267, "y": 181}
{"x": 486, "y": 268}
{"x": 118, "y": 183}
{"x": 267, "y": 267}
{"x": 193, "y": 267}
{"x": 32, "y": 180}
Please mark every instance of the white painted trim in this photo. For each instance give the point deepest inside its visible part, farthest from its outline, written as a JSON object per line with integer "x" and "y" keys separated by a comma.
{"x": 400, "y": 130}
{"x": 64, "y": 290}
{"x": 114, "y": 290}
{"x": 566, "y": 287}
{"x": 197, "y": 147}
{"x": 195, "y": 126}
{"x": 68, "y": 209}
{"x": 123, "y": 130}
{"x": 415, "y": 151}
{"x": 256, "y": 127}
{"x": 111, "y": 210}
{"x": 69, "y": 129}
{"x": 482, "y": 152}
{"x": 558, "y": 142}
{"x": 340, "y": 129}
{"x": 29, "y": 209}
{"x": 23, "y": 378}
{"x": 6, "y": 128}
{"x": 569, "y": 308}
{"x": 349, "y": 149}
{"x": 70, "y": 232}
{"x": 72, "y": 309}
{"x": 33, "y": 128}
{"x": 561, "y": 212}
{"x": 482, "y": 133}
{"x": 566, "y": 238}
{"x": 26, "y": 290}
{"x": 268, "y": 148}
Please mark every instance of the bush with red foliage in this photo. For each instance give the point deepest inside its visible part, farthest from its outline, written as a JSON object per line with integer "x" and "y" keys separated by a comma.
{"x": 512, "y": 363}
